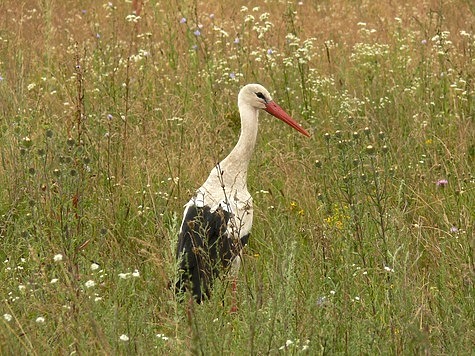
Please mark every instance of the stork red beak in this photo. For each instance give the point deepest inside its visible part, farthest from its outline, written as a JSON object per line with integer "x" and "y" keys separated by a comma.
{"x": 275, "y": 110}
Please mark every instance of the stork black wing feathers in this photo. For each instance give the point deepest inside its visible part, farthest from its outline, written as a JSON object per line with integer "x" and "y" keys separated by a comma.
{"x": 204, "y": 248}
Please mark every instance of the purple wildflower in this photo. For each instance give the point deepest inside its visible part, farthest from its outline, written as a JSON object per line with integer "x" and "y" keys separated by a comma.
{"x": 236, "y": 40}
{"x": 83, "y": 11}
{"x": 454, "y": 229}
{"x": 183, "y": 20}
{"x": 424, "y": 42}
{"x": 197, "y": 33}
{"x": 1, "y": 78}
{"x": 270, "y": 51}
{"x": 232, "y": 75}
{"x": 442, "y": 183}
{"x": 109, "y": 116}
{"x": 321, "y": 301}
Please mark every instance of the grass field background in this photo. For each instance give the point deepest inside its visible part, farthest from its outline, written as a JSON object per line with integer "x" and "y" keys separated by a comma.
{"x": 363, "y": 238}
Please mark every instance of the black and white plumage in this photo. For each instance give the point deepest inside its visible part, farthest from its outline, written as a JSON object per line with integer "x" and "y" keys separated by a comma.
{"x": 217, "y": 220}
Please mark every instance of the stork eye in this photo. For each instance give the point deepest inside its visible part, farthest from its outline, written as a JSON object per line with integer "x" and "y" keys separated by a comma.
{"x": 261, "y": 96}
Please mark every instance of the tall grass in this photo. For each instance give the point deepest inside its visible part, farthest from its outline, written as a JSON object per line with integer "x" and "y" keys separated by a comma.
{"x": 363, "y": 240}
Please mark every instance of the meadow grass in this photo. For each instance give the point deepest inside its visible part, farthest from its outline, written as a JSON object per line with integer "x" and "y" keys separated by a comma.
{"x": 363, "y": 237}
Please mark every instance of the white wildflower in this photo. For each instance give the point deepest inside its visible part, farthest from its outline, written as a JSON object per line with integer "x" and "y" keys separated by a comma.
{"x": 90, "y": 283}
{"x": 163, "y": 337}
{"x": 388, "y": 269}
{"x": 287, "y": 344}
{"x": 132, "y": 18}
{"x": 7, "y": 317}
{"x": 58, "y": 257}
{"x": 94, "y": 266}
{"x": 123, "y": 337}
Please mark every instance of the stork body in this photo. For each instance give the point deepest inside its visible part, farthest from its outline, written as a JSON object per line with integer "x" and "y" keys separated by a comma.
{"x": 217, "y": 220}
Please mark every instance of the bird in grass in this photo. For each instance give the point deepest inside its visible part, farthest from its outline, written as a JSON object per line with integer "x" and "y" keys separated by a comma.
{"x": 218, "y": 218}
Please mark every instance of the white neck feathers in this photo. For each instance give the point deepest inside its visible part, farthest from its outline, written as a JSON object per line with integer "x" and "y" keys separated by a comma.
{"x": 238, "y": 159}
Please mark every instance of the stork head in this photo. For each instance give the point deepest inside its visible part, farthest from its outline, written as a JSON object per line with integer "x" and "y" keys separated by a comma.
{"x": 256, "y": 96}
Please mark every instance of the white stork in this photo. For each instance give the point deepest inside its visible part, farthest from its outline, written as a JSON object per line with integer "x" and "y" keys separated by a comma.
{"x": 218, "y": 219}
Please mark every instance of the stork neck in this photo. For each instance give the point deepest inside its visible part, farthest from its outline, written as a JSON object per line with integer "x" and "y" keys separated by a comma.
{"x": 241, "y": 154}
